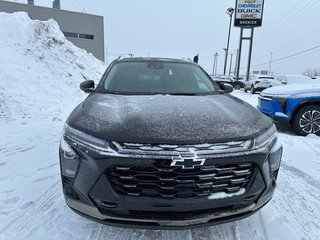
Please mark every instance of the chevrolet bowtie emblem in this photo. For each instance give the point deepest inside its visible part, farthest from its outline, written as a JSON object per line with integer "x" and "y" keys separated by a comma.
{"x": 250, "y": 1}
{"x": 187, "y": 162}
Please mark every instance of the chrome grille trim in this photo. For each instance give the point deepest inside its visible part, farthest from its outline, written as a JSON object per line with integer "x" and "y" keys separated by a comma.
{"x": 177, "y": 150}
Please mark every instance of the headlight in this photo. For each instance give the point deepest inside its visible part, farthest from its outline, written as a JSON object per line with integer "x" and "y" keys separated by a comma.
{"x": 266, "y": 137}
{"x": 270, "y": 138}
{"x": 283, "y": 103}
{"x": 275, "y": 156}
{"x": 69, "y": 159}
{"x": 86, "y": 140}
{"x": 70, "y": 141}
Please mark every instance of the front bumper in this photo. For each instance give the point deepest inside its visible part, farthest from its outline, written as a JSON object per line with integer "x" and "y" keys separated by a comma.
{"x": 92, "y": 195}
{"x": 196, "y": 221}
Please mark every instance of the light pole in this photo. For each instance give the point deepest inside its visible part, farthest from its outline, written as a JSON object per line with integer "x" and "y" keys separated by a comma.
{"x": 270, "y": 63}
{"x": 216, "y": 70}
{"x": 230, "y": 64}
{"x": 230, "y": 12}
{"x": 225, "y": 60}
{"x": 215, "y": 64}
{"x": 235, "y": 66}
{"x": 106, "y": 57}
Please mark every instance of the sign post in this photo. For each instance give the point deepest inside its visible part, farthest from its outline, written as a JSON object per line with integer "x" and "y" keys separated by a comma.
{"x": 248, "y": 15}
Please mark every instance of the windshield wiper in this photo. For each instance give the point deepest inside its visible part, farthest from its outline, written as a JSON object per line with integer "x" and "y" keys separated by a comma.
{"x": 173, "y": 94}
{"x": 113, "y": 92}
{"x": 193, "y": 94}
{"x": 182, "y": 94}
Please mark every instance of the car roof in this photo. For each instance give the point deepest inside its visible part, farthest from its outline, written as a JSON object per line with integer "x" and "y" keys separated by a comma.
{"x": 153, "y": 59}
{"x": 261, "y": 76}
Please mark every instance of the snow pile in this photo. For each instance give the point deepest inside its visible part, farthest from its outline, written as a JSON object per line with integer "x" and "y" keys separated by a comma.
{"x": 40, "y": 69}
{"x": 222, "y": 195}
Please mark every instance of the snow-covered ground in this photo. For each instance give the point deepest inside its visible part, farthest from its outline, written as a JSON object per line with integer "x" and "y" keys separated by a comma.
{"x": 39, "y": 78}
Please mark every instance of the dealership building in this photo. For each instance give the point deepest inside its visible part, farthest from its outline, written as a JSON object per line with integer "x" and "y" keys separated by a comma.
{"x": 83, "y": 30}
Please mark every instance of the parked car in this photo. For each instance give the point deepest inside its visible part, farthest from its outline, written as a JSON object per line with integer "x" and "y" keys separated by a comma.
{"x": 295, "y": 79}
{"x": 258, "y": 83}
{"x": 237, "y": 84}
{"x": 294, "y": 107}
{"x": 282, "y": 79}
{"x": 158, "y": 144}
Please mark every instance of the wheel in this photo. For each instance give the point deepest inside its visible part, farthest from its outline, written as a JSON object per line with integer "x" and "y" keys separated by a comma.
{"x": 307, "y": 121}
{"x": 244, "y": 89}
{"x": 237, "y": 87}
{"x": 252, "y": 90}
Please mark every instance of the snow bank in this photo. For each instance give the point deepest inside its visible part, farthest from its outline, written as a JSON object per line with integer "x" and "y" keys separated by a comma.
{"x": 40, "y": 69}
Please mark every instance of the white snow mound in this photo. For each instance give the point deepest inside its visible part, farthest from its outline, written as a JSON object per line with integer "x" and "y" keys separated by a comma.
{"x": 40, "y": 69}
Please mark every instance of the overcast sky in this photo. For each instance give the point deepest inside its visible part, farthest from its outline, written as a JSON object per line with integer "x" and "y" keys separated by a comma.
{"x": 182, "y": 28}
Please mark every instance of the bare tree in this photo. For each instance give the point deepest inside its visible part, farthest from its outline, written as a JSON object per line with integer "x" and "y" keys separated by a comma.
{"x": 312, "y": 72}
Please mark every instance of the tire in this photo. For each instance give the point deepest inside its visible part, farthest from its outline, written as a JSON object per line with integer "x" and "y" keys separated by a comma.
{"x": 307, "y": 121}
{"x": 244, "y": 89}
{"x": 237, "y": 87}
{"x": 252, "y": 90}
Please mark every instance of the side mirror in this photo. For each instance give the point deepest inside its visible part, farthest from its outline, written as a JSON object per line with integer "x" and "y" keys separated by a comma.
{"x": 87, "y": 86}
{"x": 227, "y": 88}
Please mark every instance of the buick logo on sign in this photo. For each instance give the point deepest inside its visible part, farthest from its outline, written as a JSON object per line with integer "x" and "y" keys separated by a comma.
{"x": 187, "y": 162}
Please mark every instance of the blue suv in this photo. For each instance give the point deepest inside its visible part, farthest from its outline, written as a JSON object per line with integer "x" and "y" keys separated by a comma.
{"x": 295, "y": 107}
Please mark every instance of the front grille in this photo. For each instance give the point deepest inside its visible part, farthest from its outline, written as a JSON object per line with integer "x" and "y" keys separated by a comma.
{"x": 162, "y": 180}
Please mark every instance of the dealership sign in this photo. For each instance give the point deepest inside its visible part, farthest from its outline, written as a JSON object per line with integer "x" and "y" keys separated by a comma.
{"x": 249, "y": 13}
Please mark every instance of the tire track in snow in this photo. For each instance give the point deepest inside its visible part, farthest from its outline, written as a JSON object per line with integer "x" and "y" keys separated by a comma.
{"x": 297, "y": 203}
{"x": 307, "y": 178}
{"x": 23, "y": 225}
{"x": 250, "y": 228}
{"x": 263, "y": 226}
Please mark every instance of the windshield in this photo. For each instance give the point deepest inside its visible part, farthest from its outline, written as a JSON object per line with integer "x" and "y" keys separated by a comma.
{"x": 157, "y": 78}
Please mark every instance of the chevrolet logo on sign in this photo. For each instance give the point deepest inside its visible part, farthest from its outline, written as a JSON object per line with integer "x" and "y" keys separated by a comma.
{"x": 250, "y": 1}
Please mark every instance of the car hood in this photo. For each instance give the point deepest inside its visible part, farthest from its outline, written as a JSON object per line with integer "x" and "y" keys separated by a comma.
{"x": 164, "y": 119}
{"x": 293, "y": 90}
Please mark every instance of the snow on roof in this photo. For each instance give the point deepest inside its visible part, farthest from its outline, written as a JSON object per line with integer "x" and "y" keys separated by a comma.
{"x": 298, "y": 79}
{"x": 294, "y": 89}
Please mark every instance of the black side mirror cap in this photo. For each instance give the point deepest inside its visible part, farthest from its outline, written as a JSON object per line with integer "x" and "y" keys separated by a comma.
{"x": 227, "y": 88}
{"x": 87, "y": 86}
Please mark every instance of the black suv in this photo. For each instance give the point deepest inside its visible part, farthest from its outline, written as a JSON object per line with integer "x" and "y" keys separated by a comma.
{"x": 159, "y": 144}
{"x": 237, "y": 84}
